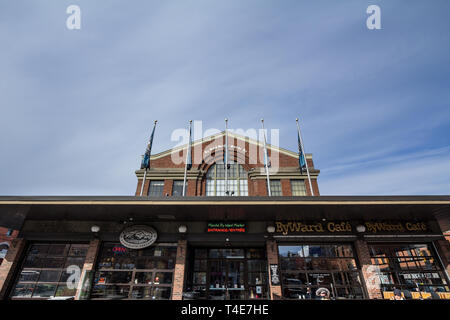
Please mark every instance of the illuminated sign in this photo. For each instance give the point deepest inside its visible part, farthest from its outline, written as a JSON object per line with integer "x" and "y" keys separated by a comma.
{"x": 315, "y": 227}
{"x": 226, "y": 227}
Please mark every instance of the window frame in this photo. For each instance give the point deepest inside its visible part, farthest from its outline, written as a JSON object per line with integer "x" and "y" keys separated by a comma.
{"x": 234, "y": 181}
{"x": 62, "y": 269}
{"x": 159, "y": 186}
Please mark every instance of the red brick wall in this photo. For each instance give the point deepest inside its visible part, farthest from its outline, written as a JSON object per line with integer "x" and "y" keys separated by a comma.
{"x": 443, "y": 248}
{"x": 89, "y": 263}
{"x": 369, "y": 276}
{"x": 272, "y": 258}
{"x": 256, "y": 187}
{"x": 178, "y": 277}
{"x": 9, "y": 264}
{"x": 7, "y": 239}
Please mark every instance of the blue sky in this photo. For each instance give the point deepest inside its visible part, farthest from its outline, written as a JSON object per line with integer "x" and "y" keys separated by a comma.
{"x": 77, "y": 106}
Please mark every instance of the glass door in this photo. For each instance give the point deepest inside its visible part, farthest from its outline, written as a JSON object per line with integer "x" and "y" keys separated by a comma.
{"x": 226, "y": 280}
{"x": 227, "y": 273}
{"x": 235, "y": 284}
{"x": 217, "y": 280}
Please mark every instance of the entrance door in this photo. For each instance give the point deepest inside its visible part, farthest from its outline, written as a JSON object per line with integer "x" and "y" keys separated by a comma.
{"x": 227, "y": 273}
{"x": 226, "y": 279}
{"x": 236, "y": 286}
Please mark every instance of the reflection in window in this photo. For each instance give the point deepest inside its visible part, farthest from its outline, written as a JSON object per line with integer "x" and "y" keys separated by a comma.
{"x": 411, "y": 268}
{"x": 124, "y": 273}
{"x": 305, "y": 268}
{"x": 45, "y": 271}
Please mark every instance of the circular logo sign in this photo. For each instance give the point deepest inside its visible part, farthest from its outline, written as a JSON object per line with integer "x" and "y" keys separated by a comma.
{"x": 138, "y": 237}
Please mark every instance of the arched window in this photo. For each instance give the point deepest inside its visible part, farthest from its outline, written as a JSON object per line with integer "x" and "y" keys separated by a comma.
{"x": 237, "y": 180}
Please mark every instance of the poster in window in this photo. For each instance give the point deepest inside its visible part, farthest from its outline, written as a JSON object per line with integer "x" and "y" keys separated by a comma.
{"x": 274, "y": 277}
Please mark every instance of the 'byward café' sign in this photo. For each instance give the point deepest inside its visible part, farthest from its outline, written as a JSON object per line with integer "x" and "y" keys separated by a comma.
{"x": 346, "y": 227}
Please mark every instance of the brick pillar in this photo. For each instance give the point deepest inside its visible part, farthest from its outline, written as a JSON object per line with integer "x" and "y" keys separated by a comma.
{"x": 9, "y": 265}
{"x": 89, "y": 265}
{"x": 370, "y": 277}
{"x": 178, "y": 277}
{"x": 272, "y": 258}
{"x": 138, "y": 188}
{"x": 191, "y": 189}
{"x": 168, "y": 184}
{"x": 443, "y": 249}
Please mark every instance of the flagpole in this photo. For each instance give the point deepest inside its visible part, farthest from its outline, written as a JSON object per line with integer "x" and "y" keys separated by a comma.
{"x": 186, "y": 162}
{"x": 226, "y": 157}
{"x": 143, "y": 181}
{"x": 304, "y": 157}
{"x": 145, "y": 172}
{"x": 266, "y": 161}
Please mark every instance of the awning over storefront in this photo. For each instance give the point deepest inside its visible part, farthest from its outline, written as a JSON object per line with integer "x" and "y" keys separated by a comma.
{"x": 14, "y": 210}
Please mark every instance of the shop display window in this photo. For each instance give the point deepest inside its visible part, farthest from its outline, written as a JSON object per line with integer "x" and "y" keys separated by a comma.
{"x": 227, "y": 273}
{"x": 410, "y": 268}
{"x": 308, "y": 267}
{"x": 124, "y": 273}
{"x": 50, "y": 270}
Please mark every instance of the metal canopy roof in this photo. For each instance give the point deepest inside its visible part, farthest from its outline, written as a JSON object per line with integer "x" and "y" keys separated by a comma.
{"x": 14, "y": 209}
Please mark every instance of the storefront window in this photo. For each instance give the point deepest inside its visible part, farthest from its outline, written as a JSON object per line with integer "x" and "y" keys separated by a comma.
{"x": 411, "y": 268}
{"x": 124, "y": 273}
{"x": 306, "y": 268}
{"x": 50, "y": 270}
{"x": 227, "y": 273}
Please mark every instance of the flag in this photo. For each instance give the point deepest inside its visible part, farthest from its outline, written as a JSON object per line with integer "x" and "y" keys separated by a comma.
{"x": 189, "y": 157}
{"x": 301, "y": 156}
{"x": 145, "y": 164}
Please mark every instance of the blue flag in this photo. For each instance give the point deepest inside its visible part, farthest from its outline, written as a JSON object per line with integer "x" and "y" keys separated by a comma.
{"x": 301, "y": 156}
{"x": 146, "y": 160}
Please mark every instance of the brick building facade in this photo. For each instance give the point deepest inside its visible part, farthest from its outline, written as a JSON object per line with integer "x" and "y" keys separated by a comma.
{"x": 226, "y": 238}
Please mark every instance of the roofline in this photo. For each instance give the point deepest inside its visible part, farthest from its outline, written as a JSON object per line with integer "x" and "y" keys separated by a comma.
{"x": 230, "y": 134}
{"x": 132, "y": 200}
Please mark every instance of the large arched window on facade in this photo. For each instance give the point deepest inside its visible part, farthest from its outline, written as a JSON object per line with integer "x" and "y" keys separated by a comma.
{"x": 237, "y": 180}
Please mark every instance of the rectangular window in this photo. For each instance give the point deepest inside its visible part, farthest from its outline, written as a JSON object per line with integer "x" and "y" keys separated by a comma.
{"x": 177, "y": 189}
{"x": 306, "y": 268}
{"x": 275, "y": 188}
{"x": 156, "y": 188}
{"x": 298, "y": 187}
{"x": 46, "y": 270}
{"x": 134, "y": 274}
{"x": 412, "y": 268}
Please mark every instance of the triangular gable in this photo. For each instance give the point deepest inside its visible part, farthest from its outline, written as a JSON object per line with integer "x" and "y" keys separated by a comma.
{"x": 230, "y": 135}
